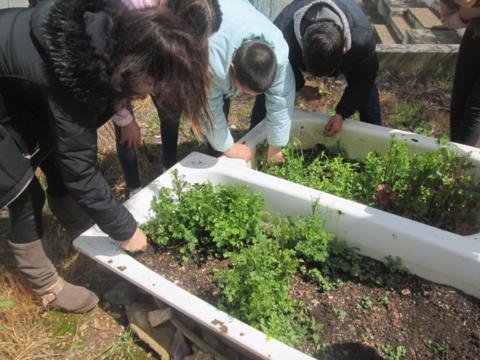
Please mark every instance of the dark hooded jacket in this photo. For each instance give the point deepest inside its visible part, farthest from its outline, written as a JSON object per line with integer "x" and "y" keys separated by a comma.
{"x": 54, "y": 94}
{"x": 359, "y": 64}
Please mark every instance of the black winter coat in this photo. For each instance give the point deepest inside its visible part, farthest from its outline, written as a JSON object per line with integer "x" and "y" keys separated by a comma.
{"x": 54, "y": 81}
{"x": 359, "y": 64}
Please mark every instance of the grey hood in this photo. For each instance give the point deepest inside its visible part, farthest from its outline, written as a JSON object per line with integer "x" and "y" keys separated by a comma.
{"x": 330, "y": 12}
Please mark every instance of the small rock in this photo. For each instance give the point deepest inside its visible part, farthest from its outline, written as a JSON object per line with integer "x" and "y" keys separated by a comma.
{"x": 179, "y": 347}
{"x": 159, "y": 317}
{"x": 406, "y": 292}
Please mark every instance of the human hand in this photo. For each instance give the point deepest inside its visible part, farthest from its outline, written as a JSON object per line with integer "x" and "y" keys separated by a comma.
{"x": 131, "y": 135}
{"x": 466, "y": 3}
{"x": 334, "y": 125}
{"x": 239, "y": 151}
{"x": 138, "y": 242}
{"x": 274, "y": 155}
{"x": 309, "y": 93}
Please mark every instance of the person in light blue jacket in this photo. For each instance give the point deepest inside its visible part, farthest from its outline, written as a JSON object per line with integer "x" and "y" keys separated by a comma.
{"x": 249, "y": 54}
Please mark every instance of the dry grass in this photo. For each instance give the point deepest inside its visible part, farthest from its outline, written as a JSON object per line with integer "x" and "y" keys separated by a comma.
{"x": 22, "y": 335}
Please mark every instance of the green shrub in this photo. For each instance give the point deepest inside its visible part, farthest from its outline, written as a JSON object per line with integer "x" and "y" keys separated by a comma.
{"x": 255, "y": 287}
{"x": 435, "y": 187}
{"x": 207, "y": 218}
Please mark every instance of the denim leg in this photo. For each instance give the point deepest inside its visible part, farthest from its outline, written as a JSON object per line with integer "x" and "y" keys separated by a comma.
{"x": 370, "y": 110}
{"x": 128, "y": 161}
{"x": 169, "y": 125}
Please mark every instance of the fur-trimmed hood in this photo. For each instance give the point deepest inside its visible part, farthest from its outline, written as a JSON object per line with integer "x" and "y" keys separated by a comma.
{"x": 72, "y": 37}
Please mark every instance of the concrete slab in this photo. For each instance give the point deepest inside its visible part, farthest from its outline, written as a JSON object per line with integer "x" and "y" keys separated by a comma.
{"x": 431, "y": 36}
{"x": 418, "y": 60}
{"x": 423, "y": 18}
{"x": 395, "y": 7}
{"x": 399, "y": 27}
{"x": 383, "y": 34}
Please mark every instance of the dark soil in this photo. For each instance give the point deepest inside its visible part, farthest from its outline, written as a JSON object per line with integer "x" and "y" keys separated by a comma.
{"x": 360, "y": 319}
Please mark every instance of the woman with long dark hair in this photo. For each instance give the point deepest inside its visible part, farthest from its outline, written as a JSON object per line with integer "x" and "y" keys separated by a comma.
{"x": 202, "y": 19}
{"x": 66, "y": 67}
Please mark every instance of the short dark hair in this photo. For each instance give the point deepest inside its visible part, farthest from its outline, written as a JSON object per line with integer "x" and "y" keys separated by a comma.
{"x": 323, "y": 45}
{"x": 255, "y": 65}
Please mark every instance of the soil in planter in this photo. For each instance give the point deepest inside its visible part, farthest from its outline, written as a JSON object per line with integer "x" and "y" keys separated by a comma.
{"x": 354, "y": 307}
{"x": 435, "y": 188}
{"x": 361, "y": 319}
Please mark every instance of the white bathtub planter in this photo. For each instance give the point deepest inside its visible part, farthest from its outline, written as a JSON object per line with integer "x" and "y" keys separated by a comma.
{"x": 428, "y": 252}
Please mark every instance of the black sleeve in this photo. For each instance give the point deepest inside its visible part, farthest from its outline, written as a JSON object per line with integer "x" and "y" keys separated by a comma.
{"x": 360, "y": 76}
{"x": 74, "y": 134}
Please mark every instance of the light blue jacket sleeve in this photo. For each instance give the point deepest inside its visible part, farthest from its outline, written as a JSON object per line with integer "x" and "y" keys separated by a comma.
{"x": 279, "y": 102}
{"x": 217, "y": 134}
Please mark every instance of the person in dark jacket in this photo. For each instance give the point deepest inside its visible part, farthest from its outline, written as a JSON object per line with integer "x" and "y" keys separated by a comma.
{"x": 66, "y": 67}
{"x": 329, "y": 38}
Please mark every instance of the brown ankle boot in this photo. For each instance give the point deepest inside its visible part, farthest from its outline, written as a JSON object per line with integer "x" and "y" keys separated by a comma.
{"x": 42, "y": 276}
{"x": 70, "y": 215}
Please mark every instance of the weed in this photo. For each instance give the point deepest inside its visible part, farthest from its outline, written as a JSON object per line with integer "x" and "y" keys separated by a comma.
{"x": 365, "y": 303}
{"x": 395, "y": 265}
{"x": 410, "y": 114}
{"x": 125, "y": 348}
{"x": 397, "y": 353}
{"x": 367, "y": 336}
{"x": 340, "y": 314}
{"x": 385, "y": 301}
{"x": 440, "y": 348}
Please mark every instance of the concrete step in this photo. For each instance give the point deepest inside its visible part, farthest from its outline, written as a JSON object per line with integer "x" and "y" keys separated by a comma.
{"x": 383, "y": 34}
{"x": 423, "y": 18}
{"x": 431, "y": 36}
{"x": 388, "y": 8}
{"x": 399, "y": 27}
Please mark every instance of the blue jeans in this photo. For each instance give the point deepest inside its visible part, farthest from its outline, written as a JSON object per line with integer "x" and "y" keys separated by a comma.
{"x": 369, "y": 110}
{"x": 128, "y": 160}
{"x": 169, "y": 125}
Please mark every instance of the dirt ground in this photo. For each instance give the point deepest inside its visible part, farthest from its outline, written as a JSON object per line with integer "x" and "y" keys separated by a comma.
{"x": 29, "y": 332}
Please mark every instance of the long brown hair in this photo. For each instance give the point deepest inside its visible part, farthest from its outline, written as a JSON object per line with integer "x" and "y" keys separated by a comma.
{"x": 152, "y": 45}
